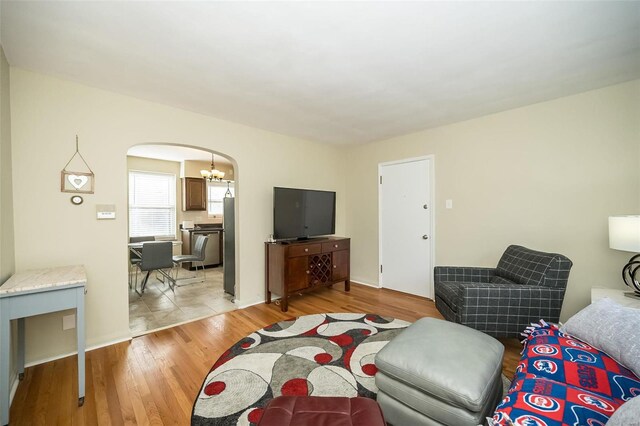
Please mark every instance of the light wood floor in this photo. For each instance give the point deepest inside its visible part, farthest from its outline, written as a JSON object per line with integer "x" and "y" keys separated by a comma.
{"x": 154, "y": 378}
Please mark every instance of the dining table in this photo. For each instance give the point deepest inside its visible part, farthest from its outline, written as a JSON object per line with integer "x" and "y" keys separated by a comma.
{"x": 136, "y": 248}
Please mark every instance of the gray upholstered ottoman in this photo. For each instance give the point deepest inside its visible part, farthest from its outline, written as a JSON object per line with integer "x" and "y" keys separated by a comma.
{"x": 439, "y": 373}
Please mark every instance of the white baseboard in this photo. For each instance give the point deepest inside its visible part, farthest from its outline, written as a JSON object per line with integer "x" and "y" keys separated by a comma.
{"x": 89, "y": 348}
{"x": 364, "y": 283}
{"x": 242, "y": 305}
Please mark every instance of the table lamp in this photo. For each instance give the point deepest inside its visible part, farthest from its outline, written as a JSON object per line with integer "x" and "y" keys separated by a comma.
{"x": 624, "y": 234}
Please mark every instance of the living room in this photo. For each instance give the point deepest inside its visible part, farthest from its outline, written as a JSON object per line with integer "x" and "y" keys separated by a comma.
{"x": 545, "y": 173}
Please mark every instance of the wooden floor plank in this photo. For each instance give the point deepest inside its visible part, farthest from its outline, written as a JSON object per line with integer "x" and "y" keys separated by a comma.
{"x": 137, "y": 380}
{"x": 41, "y": 397}
{"x": 154, "y": 379}
{"x": 118, "y": 377}
{"x": 88, "y": 410}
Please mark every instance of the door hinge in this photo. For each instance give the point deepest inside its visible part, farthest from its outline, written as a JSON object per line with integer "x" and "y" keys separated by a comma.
{"x": 380, "y": 268}
{"x": 380, "y": 180}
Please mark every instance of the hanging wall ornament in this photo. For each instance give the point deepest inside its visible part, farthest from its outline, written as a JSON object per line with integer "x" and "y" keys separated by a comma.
{"x": 81, "y": 182}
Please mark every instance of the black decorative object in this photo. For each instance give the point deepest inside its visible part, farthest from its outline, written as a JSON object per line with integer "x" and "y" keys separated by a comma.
{"x": 624, "y": 234}
{"x": 629, "y": 273}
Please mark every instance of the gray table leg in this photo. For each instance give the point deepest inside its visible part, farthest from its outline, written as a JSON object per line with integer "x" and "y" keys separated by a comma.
{"x": 21, "y": 351}
{"x": 5, "y": 347}
{"x": 81, "y": 347}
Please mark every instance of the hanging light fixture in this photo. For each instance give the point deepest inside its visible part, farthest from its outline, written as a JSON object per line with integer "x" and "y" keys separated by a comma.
{"x": 213, "y": 175}
{"x": 228, "y": 193}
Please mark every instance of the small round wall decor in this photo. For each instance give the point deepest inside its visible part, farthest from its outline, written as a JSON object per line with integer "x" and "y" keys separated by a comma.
{"x": 76, "y": 200}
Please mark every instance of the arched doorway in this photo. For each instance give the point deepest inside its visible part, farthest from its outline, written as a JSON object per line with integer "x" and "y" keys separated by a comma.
{"x": 170, "y": 200}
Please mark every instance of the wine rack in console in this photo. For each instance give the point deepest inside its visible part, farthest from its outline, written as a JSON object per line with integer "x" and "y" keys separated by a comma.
{"x": 301, "y": 266}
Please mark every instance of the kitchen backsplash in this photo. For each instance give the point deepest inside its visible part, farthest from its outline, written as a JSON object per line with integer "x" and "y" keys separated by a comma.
{"x": 199, "y": 217}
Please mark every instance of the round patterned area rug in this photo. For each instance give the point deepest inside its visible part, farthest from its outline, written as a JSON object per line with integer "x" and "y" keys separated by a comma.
{"x": 320, "y": 355}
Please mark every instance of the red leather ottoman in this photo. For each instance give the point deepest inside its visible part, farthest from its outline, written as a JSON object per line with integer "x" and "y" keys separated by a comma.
{"x": 321, "y": 411}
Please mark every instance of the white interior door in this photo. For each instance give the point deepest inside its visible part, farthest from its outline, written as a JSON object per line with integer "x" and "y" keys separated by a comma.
{"x": 405, "y": 226}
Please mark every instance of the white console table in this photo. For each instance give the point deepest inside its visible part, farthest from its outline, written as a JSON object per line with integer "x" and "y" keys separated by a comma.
{"x": 33, "y": 293}
{"x": 615, "y": 294}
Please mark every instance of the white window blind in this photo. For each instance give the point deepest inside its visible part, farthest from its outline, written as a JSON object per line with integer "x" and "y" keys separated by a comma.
{"x": 152, "y": 204}
{"x": 215, "y": 195}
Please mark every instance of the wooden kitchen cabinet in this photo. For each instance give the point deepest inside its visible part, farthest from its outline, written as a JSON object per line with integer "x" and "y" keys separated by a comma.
{"x": 194, "y": 194}
{"x": 301, "y": 266}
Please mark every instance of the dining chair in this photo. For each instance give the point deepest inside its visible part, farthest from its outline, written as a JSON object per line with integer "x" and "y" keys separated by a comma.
{"x": 134, "y": 258}
{"x": 197, "y": 256}
{"x": 156, "y": 256}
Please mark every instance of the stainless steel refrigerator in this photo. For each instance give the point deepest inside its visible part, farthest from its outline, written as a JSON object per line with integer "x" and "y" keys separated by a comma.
{"x": 229, "y": 246}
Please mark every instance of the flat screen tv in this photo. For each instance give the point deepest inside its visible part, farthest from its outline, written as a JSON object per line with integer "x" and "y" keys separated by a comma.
{"x": 303, "y": 213}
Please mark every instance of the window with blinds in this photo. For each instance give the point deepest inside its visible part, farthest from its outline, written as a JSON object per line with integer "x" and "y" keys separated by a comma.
{"x": 152, "y": 204}
{"x": 215, "y": 195}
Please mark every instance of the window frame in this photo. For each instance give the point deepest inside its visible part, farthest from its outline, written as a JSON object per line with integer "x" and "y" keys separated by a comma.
{"x": 173, "y": 208}
{"x": 222, "y": 184}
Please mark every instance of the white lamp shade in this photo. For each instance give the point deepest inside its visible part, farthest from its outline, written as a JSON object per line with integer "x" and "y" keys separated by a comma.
{"x": 624, "y": 233}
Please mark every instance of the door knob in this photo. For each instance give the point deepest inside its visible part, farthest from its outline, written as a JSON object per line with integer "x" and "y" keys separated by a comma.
{"x": 425, "y": 237}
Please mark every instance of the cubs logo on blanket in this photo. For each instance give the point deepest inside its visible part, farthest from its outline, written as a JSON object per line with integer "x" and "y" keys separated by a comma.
{"x": 564, "y": 381}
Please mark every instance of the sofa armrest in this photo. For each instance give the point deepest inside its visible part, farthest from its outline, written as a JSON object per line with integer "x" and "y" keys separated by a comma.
{"x": 463, "y": 274}
{"x": 513, "y": 300}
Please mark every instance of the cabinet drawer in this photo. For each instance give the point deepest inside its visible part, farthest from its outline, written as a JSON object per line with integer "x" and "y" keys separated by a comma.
{"x": 303, "y": 250}
{"x": 335, "y": 245}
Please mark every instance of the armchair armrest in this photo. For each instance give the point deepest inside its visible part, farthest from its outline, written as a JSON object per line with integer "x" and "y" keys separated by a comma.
{"x": 525, "y": 302}
{"x": 463, "y": 273}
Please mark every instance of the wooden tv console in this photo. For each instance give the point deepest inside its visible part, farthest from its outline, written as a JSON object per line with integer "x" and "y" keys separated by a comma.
{"x": 300, "y": 266}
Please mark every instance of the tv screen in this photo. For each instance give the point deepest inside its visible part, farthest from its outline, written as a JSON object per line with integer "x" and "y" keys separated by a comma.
{"x": 303, "y": 213}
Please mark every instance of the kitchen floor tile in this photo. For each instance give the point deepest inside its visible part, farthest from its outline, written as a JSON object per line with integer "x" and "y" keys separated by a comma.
{"x": 160, "y": 307}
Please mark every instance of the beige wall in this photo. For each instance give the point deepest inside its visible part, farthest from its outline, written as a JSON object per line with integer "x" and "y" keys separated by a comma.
{"x": 7, "y": 255}
{"x": 546, "y": 176}
{"x": 7, "y": 260}
{"x": 46, "y": 115}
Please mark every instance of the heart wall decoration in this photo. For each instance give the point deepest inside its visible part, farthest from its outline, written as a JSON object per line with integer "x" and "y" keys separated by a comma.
{"x": 79, "y": 182}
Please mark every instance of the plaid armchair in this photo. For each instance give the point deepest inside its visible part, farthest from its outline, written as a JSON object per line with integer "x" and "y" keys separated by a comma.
{"x": 526, "y": 286}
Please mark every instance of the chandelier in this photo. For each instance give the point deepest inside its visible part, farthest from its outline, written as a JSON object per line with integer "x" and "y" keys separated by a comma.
{"x": 213, "y": 175}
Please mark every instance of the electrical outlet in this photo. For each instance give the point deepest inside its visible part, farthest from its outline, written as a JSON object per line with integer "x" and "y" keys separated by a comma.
{"x": 69, "y": 322}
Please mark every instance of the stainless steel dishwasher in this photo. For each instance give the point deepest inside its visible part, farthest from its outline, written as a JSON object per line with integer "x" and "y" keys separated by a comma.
{"x": 212, "y": 250}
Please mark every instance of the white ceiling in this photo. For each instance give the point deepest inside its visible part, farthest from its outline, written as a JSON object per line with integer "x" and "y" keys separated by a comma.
{"x": 337, "y": 72}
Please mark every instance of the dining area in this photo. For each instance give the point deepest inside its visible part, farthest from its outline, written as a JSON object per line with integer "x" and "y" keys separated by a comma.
{"x": 175, "y": 216}
{"x": 162, "y": 293}
{"x": 147, "y": 255}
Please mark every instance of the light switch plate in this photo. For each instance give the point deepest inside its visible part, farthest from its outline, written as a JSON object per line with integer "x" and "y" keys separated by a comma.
{"x": 449, "y": 204}
{"x": 105, "y": 211}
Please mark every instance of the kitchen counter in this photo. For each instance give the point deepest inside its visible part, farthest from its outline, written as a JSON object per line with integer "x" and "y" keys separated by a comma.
{"x": 205, "y": 227}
